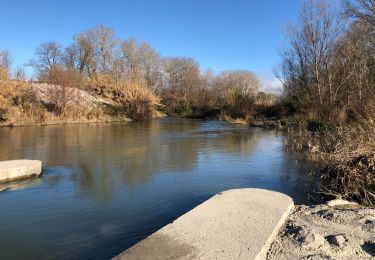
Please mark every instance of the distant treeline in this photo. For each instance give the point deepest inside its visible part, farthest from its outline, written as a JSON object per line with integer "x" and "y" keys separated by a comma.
{"x": 139, "y": 81}
{"x": 327, "y": 72}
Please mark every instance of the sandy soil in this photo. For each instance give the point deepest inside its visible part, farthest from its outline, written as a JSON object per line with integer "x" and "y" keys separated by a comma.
{"x": 329, "y": 231}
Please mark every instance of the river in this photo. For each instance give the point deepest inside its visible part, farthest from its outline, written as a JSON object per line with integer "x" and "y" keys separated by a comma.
{"x": 105, "y": 187}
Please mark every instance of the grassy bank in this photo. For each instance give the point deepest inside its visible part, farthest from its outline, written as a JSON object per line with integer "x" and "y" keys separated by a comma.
{"x": 32, "y": 103}
{"x": 327, "y": 72}
{"x": 128, "y": 78}
{"x": 346, "y": 153}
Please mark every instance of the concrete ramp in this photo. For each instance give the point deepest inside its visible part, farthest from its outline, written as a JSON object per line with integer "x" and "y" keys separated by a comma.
{"x": 19, "y": 169}
{"x": 235, "y": 224}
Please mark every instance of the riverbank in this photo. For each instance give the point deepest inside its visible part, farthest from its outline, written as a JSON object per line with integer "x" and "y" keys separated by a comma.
{"x": 336, "y": 230}
{"x": 68, "y": 122}
{"x": 27, "y": 103}
{"x": 345, "y": 155}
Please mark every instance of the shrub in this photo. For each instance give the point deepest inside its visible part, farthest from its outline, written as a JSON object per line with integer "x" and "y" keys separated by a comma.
{"x": 18, "y": 103}
{"x": 132, "y": 98}
{"x": 66, "y": 77}
{"x": 352, "y": 180}
{"x": 315, "y": 124}
{"x": 138, "y": 101}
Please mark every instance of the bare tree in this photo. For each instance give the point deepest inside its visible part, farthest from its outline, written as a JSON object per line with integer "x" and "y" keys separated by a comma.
{"x": 5, "y": 59}
{"x": 92, "y": 51}
{"x": 20, "y": 73}
{"x": 141, "y": 63}
{"x": 105, "y": 44}
{"x": 182, "y": 74}
{"x": 363, "y": 10}
{"x": 243, "y": 83}
{"x": 236, "y": 91}
{"x": 47, "y": 57}
{"x": 80, "y": 54}
{"x": 328, "y": 68}
{"x": 151, "y": 67}
{"x": 131, "y": 58}
{"x": 308, "y": 64}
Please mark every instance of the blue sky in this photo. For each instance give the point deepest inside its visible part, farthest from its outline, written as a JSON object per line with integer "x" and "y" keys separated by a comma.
{"x": 219, "y": 34}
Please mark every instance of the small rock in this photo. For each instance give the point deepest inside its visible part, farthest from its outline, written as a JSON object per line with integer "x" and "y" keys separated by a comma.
{"x": 317, "y": 257}
{"x": 338, "y": 240}
{"x": 340, "y": 203}
{"x": 307, "y": 238}
{"x": 326, "y": 214}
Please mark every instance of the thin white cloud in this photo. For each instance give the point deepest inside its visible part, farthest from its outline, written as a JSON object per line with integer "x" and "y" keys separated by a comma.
{"x": 269, "y": 83}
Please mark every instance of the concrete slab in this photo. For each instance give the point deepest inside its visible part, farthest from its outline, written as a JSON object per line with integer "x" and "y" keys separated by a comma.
{"x": 19, "y": 169}
{"x": 236, "y": 224}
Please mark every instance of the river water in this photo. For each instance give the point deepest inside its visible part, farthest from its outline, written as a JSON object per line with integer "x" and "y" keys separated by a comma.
{"x": 105, "y": 187}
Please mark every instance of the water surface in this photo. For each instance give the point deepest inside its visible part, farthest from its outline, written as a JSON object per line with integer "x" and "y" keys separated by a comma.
{"x": 107, "y": 186}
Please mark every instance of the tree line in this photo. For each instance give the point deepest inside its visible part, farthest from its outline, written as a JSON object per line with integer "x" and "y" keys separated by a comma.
{"x": 139, "y": 80}
{"x": 328, "y": 69}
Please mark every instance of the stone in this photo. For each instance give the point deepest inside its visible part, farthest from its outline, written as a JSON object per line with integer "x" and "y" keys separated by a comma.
{"x": 340, "y": 203}
{"x": 337, "y": 240}
{"x": 19, "y": 169}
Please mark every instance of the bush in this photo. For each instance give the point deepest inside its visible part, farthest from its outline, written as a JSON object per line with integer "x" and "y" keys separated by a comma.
{"x": 18, "y": 103}
{"x": 132, "y": 98}
{"x": 10, "y": 92}
{"x": 352, "y": 180}
{"x": 65, "y": 77}
{"x": 315, "y": 124}
{"x": 347, "y": 153}
{"x": 138, "y": 101}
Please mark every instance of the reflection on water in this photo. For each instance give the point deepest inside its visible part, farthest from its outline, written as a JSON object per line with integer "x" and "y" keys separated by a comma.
{"x": 20, "y": 184}
{"x": 106, "y": 186}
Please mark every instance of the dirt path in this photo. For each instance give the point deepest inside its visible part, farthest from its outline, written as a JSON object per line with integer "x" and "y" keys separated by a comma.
{"x": 337, "y": 230}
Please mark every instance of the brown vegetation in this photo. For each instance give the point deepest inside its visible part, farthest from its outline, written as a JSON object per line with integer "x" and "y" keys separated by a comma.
{"x": 137, "y": 81}
{"x": 327, "y": 71}
{"x": 16, "y": 103}
{"x": 353, "y": 180}
{"x": 328, "y": 77}
{"x": 328, "y": 74}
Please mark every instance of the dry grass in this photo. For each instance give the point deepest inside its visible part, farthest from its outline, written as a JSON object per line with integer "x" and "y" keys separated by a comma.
{"x": 21, "y": 105}
{"x": 138, "y": 101}
{"x": 352, "y": 180}
{"x": 347, "y": 153}
{"x": 132, "y": 98}
{"x": 17, "y": 104}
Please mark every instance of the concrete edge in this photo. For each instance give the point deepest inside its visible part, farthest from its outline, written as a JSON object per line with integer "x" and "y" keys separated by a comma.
{"x": 20, "y": 170}
{"x": 263, "y": 252}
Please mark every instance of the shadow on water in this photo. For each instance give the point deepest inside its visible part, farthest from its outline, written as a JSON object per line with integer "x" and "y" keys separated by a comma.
{"x": 20, "y": 184}
{"x": 106, "y": 186}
